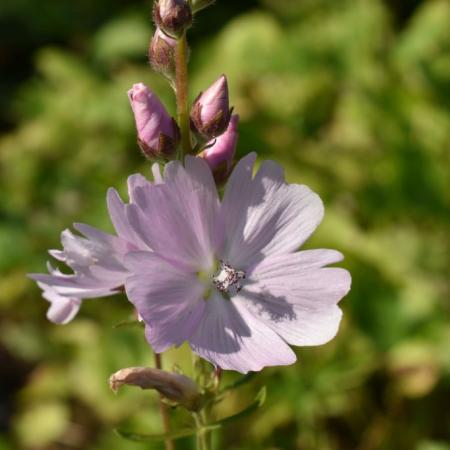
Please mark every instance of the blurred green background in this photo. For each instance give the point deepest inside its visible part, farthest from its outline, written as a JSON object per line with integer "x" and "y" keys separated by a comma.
{"x": 352, "y": 97}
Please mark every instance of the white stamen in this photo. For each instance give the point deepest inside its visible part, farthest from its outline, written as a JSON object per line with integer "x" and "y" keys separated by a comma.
{"x": 227, "y": 279}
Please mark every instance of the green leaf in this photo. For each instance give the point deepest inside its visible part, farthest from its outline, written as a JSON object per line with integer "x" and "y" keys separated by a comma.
{"x": 129, "y": 323}
{"x": 176, "y": 434}
{"x": 239, "y": 382}
{"x": 256, "y": 404}
{"x": 155, "y": 437}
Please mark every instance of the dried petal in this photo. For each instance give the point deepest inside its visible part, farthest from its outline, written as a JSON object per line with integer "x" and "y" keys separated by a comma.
{"x": 173, "y": 386}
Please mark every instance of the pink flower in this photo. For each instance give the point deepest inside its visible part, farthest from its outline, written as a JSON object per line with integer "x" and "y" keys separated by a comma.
{"x": 226, "y": 275}
{"x": 158, "y": 133}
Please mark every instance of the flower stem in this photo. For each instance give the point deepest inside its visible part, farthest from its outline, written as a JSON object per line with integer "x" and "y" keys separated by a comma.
{"x": 163, "y": 409}
{"x": 181, "y": 89}
{"x": 204, "y": 436}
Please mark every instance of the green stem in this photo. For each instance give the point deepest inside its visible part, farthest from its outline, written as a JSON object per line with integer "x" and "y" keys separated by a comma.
{"x": 204, "y": 436}
{"x": 169, "y": 444}
{"x": 181, "y": 89}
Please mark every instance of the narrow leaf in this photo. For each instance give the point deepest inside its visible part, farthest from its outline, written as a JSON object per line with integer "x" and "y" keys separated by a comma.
{"x": 176, "y": 434}
{"x": 239, "y": 382}
{"x": 131, "y": 436}
{"x": 129, "y": 323}
{"x": 257, "y": 403}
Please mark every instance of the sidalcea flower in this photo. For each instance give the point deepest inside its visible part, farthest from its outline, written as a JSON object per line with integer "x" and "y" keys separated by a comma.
{"x": 211, "y": 111}
{"x": 158, "y": 133}
{"x": 96, "y": 260}
{"x": 161, "y": 53}
{"x": 219, "y": 154}
{"x": 226, "y": 275}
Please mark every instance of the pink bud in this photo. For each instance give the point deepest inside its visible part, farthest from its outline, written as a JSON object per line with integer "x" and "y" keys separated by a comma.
{"x": 158, "y": 133}
{"x": 173, "y": 16}
{"x": 210, "y": 113}
{"x": 221, "y": 153}
{"x": 161, "y": 53}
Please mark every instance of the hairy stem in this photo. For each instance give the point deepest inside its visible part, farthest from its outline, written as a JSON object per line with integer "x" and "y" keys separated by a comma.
{"x": 163, "y": 409}
{"x": 181, "y": 89}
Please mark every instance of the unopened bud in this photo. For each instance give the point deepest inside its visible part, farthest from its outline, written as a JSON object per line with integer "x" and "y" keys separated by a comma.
{"x": 198, "y": 5}
{"x": 220, "y": 154}
{"x": 161, "y": 53}
{"x": 173, "y": 386}
{"x": 211, "y": 112}
{"x": 158, "y": 133}
{"x": 174, "y": 17}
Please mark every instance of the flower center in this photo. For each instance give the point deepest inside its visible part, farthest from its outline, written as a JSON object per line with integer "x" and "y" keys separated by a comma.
{"x": 227, "y": 279}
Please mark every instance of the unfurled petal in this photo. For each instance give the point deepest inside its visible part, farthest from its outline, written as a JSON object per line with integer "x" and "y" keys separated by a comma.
{"x": 78, "y": 285}
{"x": 266, "y": 216}
{"x": 62, "y": 309}
{"x": 232, "y": 338}
{"x": 118, "y": 215}
{"x": 296, "y": 296}
{"x": 97, "y": 263}
{"x": 168, "y": 298}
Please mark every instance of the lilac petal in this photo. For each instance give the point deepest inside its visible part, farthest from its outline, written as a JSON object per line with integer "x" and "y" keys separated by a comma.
{"x": 265, "y": 216}
{"x": 100, "y": 248}
{"x": 57, "y": 254}
{"x": 167, "y": 298}
{"x": 94, "y": 234}
{"x": 77, "y": 285}
{"x": 195, "y": 188}
{"x": 180, "y": 217}
{"x": 110, "y": 244}
{"x": 78, "y": 250}
{"x": 295, "y": 262}
{"x": 296, "y": 297}
{"x": 63, "y": 312}
{"x": 230, "y": 337}
{"x": 117, "y": 213}
{"x": 156, "y": 171}
{"x": 136, "y": 181}
{"x": 62, "y": 309}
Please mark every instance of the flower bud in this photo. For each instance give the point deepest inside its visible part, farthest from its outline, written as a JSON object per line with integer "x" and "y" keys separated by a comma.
{"x": 220, "y": 154}
{"x": 173, "y": 386}
{"x": 210, "y": 113}
{"x": 158, "y": 133}
{"x": 161, "y": 53}
{"x": 174, "y": 17}
{"x": 198, "y": 5}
